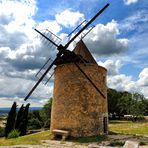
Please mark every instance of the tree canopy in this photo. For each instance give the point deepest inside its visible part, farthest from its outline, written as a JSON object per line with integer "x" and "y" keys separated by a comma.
{"x": 125, "y": 103}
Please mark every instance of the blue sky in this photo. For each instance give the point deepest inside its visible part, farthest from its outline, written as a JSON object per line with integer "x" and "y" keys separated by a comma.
{"x": 118, "y": 42}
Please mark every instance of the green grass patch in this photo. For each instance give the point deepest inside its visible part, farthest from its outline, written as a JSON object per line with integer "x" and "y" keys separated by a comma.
{"x": 33, "y": 139}
{"x": 129, "y": 127}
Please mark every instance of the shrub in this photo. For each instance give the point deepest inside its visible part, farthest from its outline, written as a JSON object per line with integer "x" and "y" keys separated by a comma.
{"x": 13, "y": 134}
{"x": 34, "y": 123}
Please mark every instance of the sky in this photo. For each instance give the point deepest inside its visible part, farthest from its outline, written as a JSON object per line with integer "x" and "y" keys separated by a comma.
{"x": 118, "y": 41}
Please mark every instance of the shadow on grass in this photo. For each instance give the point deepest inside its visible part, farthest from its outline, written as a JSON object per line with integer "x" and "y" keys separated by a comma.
{"x": 118, "y": 121}
{"x": 112, "y": 133}
{"x": 89, "y": 139}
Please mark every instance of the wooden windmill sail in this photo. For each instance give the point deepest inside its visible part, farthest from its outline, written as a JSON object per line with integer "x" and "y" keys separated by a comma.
{"x": 80, "y": 93}
{"x": 62, "y": 51}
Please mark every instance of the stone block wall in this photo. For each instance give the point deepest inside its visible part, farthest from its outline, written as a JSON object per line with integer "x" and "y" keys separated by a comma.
{"x": 77, "y": 105}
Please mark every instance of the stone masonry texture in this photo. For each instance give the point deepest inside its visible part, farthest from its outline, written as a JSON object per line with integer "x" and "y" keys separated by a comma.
{"x": 77, "y": 106}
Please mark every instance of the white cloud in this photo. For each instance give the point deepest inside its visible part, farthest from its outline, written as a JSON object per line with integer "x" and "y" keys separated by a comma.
{"x": 18, "y": 14}
{"x": 53, "y": 26}
{"x": 143, "y": 78}
{"x": 69, "y": 18}
{"x": 119, "y": 82}
{"x": 123, "y": 82}
{"x": 103, "y": 39}
{"x": 111, "y": 66}
{"x": 19, "y": 87}
{"x": 20, "y": 54}
{"x": 16, "y": 22}
{"x": 129, "y": 2}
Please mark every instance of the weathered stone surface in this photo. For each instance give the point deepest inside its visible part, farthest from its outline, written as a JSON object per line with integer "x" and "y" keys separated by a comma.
{"x": 131, "y": 144}
{"x": 77, "y": 106}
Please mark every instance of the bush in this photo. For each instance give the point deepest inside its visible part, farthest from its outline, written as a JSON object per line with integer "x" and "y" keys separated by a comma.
{"x": 34, "y": 123}
{"x": 13, "y": 134}
{"x": 2, "y": 132}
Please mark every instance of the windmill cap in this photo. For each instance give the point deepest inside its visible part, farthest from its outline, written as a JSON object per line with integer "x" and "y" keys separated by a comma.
{"x": 82, "y": 50}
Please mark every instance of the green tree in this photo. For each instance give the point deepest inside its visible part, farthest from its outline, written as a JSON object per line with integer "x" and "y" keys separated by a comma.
{"x": 122, "y": 103}
{"x": 137, "y": 108}
{"x": 11, "y": 120}
{"x": 19, "y": 118}
{"x": 46, "y": 113}
{"x": 24, "y": 122}
{"x": 145, "y": 106}
{"x": 40, "y": 118}
{"x": 35, "y": 120}
{"x": 113, "y": 99}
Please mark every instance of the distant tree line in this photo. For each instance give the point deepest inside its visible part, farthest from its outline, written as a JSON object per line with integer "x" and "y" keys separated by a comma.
{"x": 119, "y": 104}
{"x": 126, "y": 103}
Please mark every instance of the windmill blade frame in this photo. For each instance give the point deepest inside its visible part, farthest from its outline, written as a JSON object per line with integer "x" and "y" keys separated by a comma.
{"x": 62, "y": 48}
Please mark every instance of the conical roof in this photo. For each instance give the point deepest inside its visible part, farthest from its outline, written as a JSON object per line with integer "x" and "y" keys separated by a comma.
{"x": 82, "y": 50}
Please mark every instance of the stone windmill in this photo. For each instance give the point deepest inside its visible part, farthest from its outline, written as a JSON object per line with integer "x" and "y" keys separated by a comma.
{"x": 80, "y": 92}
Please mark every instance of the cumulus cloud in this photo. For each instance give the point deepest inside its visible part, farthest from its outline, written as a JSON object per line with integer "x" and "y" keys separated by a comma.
{"x": 19, "y": 87}
{"x": 21, "y": 55}
{"x": 143, "y": 78}
{"x": 119, "y": 82}
{"x": 69, "y": 18}
{"x": 111, "y": 66}
{"x": 129, "y": 2}
{"x": 122, "y": 82}
{"x": 53, "y": 26}
{"x": 103, "y": 39}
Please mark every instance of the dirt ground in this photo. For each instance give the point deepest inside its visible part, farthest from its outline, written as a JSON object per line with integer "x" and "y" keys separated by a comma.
{"x": 67, "y": 144}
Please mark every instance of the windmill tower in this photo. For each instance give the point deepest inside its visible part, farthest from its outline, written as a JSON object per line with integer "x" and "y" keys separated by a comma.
{"x": 77, "y": 106}
{"x": 80, "y": 92}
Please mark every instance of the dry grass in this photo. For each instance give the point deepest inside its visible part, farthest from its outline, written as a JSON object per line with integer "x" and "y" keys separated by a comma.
{"x": 32, "y": 139}
{"x": 129, "y": 127}
{"x": 124, "y": 127}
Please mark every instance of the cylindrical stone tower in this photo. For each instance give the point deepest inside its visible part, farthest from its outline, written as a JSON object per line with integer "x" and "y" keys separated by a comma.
{"x": 77, "y": 106}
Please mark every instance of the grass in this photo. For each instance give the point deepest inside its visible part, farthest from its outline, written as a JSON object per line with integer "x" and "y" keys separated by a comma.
{"x": 33, "y": 139}
{"x": 129, "y": 127}
{"x": 124, "y": 127}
